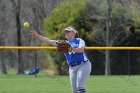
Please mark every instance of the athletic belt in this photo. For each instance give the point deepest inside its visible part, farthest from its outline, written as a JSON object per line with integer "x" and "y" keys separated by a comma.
{"x": 77, "y": 63}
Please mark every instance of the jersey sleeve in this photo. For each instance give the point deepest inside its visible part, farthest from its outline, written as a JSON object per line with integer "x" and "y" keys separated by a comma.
{"x": 81, "y": 43}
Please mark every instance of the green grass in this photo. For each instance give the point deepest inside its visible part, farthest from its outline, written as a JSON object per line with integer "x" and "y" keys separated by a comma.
{"x": 60, "y": 84}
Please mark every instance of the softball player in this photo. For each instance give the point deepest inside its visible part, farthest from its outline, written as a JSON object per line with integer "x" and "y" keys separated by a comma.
{"x": 79, "y": 65}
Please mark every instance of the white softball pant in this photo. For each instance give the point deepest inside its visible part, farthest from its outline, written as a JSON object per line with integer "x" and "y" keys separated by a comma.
{"x": 78, "y": 76}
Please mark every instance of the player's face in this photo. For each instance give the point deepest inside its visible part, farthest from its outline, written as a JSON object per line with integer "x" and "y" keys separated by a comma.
{"x": 69, "y": 35}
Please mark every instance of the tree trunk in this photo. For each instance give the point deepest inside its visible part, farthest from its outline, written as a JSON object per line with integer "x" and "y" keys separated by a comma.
{"x": 20, "y": 60}
{"x": 2, "y": 57}
{"x": 3, "y": 65}
{"x": 107, "y": 64}
{"x": 107, "y": 54}
{"x": 2, "y": 37}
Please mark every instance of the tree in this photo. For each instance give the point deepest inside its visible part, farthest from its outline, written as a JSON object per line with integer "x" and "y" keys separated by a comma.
{"x": 2, "y": 42}
{"x": 17, "y": 6}
{"x": 108, "y": 30}
{"x": 113, "y": 28}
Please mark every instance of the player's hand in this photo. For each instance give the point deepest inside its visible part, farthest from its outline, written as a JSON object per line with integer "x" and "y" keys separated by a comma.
{"x": 33, "y": 33}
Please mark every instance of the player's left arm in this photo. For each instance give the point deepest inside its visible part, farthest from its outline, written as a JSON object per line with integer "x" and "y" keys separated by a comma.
{"x": 81, "y": 47}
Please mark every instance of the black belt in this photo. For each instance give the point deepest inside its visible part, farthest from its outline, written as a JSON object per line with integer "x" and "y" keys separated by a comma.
{"x": 77, "y": 63}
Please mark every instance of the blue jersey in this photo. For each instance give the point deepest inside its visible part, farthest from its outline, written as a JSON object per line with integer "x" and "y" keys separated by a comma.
{"x": 73, "y": 57}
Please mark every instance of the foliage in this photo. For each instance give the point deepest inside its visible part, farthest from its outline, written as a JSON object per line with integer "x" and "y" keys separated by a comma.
{"x": 135, "y": 14}
{"x": 124, "y": 19}
{"x": 120, "y": 23}
{"x": 68, "y": 13}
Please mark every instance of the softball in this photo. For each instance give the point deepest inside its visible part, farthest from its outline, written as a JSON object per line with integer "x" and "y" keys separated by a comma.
{"x": 26, "y": 25}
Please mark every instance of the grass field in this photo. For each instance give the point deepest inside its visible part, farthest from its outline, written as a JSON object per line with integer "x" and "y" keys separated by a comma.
{"x": 60, "y": 84}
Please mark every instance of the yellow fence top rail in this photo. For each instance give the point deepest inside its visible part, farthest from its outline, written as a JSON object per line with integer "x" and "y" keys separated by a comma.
{"x": 54, "y": 48}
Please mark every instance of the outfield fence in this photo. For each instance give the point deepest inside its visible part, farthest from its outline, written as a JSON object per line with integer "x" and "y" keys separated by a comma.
{"x": 54, "y": 48}
{"x": 125, "y": 59}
